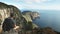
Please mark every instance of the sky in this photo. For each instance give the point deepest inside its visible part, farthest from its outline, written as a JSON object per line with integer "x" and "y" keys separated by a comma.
{"x": 34, "y": 4}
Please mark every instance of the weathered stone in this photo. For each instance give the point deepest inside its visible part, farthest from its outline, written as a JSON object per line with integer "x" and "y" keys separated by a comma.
{"x": 5, "y": 11}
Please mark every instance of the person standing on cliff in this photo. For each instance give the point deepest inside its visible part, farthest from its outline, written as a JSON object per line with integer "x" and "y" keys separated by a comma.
{"x": 9, "y": 23}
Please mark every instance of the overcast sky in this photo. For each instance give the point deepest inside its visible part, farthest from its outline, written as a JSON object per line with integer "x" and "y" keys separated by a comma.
{"x": 34, "y": 4}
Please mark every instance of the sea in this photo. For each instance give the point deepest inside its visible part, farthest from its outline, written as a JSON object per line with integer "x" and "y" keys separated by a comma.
{"x": 49, "y": 18}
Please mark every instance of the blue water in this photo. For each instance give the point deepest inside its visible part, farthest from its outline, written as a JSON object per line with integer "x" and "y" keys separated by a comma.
{"x": 49, "y": 18}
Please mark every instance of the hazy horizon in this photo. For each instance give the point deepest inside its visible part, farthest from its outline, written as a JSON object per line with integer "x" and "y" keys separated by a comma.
{"x": 34, "y": 4}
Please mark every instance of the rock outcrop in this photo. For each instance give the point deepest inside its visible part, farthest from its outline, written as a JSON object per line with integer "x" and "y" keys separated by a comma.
{"x": 5, "y": 11}
{"x": 48, "y": 30}
{"x": 29, "y": 16}
{"x": 33, "y": 15}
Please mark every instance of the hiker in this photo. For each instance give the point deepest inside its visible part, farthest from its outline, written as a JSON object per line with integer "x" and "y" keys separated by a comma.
{"x": 9, "y": 23}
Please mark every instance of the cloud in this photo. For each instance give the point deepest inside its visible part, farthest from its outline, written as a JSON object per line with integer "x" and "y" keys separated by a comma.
{"x": 16, "y": 0}
{"x": 40, "y": 7}
{"x": 35, "y": 6}
{"x": 32, "y": 1}
{"x": 53, "y": 7}
{"x": 28, "y": 1}
{"x": 36, "y": 1}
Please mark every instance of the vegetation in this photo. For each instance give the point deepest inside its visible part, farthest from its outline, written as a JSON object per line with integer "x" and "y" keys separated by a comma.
{"x": 24, "y": 20}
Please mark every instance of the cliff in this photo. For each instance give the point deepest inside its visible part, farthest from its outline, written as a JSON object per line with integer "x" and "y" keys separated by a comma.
{"x": 30, "y": 16}
{"x": 5, "y": 11}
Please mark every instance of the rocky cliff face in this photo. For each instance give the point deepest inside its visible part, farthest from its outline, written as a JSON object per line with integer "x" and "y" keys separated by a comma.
{"x": 30, "y": 16}
{"x": 33, "y": 15}
{"x": 5, "y": 11}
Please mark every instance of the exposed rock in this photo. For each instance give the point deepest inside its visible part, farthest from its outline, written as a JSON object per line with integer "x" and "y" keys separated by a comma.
{"x": 5, "y": 11}
{"x": 29, "y": 16}
{"x": 32, "y": 14}
{"x": 48, "y": 30}
{"x": 0, "y": 19}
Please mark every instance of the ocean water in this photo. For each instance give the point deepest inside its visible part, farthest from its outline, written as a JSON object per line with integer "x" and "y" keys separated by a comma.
{"x": 49, "y": 18}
